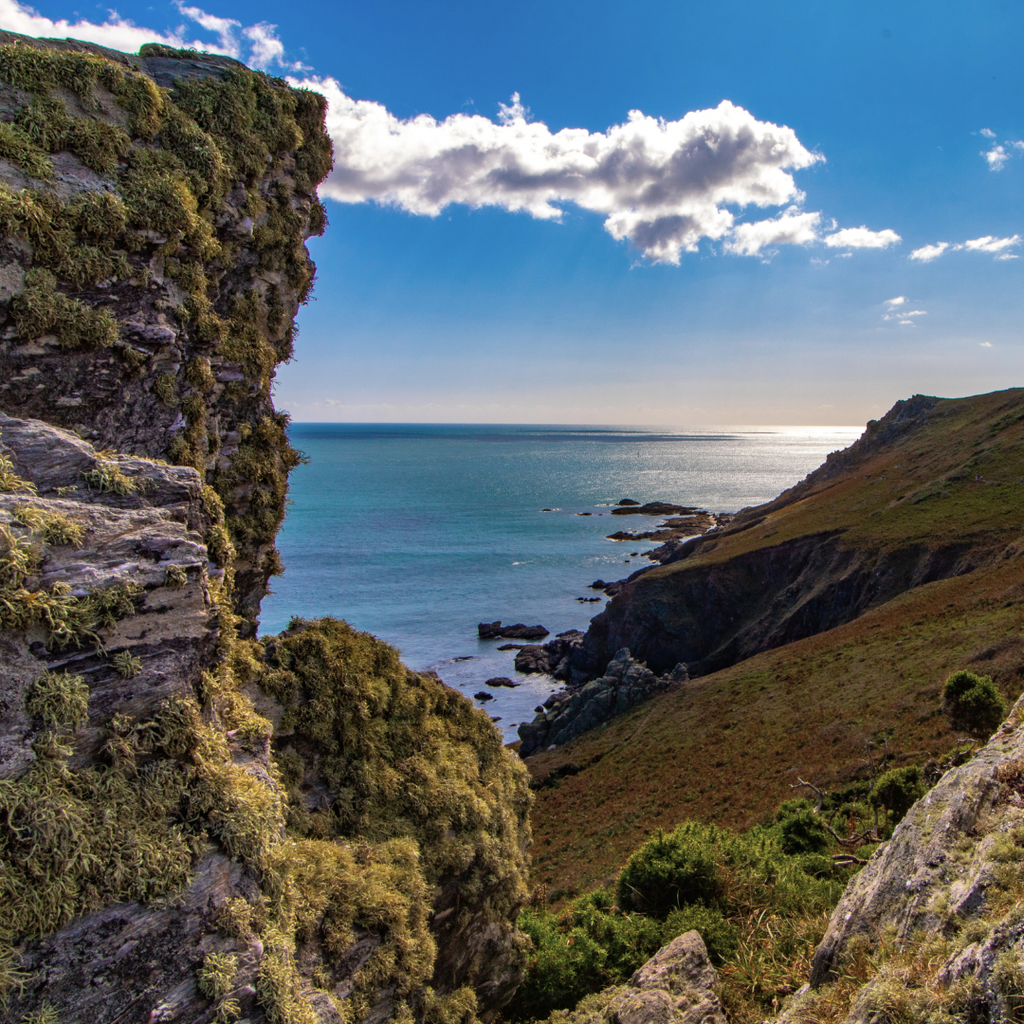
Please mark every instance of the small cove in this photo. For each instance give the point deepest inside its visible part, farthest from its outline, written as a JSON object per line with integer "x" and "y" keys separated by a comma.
{"x": 417, "y": 533}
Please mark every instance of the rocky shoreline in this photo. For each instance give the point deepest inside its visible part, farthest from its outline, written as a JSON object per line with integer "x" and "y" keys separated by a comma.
{"x": 590, "y": 698}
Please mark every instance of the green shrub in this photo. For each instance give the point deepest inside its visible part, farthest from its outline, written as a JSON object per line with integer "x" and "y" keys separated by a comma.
{"x": 721, "y": 937}
{"x": 973, "y": 703}
{"x": 803, "y": 831}
{"x": 564, "y": 967}
{"x": 898, "y": 790}
{"x": 672, "y": 870}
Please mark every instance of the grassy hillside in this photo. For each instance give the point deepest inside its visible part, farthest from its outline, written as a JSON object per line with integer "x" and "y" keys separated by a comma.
{"x": 934, "y": 488}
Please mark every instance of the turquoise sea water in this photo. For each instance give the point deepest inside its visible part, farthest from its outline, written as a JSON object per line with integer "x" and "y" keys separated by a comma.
{"x": 417, "y": 533}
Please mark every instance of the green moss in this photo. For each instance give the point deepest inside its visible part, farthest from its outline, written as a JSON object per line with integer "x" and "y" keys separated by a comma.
{"x": 41, "y": 309}
{"x": 126, "y": 665}
{"x": 405, "y": 755}
{"x": 59, "y": 699}
{"x": 54, "y": 526}
{"x": 279, "y": 991}
{"x": 9, "y": 480}
{"x": 165, "y": 388}
{"x": 175, "y": 577}
{"x": 214, "y": 979}
{"x": 38, "y": 70}
{"x": 108, "y": 477}
{"x": 18, "y": 147}
{"x": 99, "y": 145}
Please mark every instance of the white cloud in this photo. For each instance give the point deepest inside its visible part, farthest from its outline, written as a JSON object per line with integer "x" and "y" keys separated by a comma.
{"x": 996, "y": 157}
{"x": 894, "y": 311}
{"x": 264, "y": 48}
{"x": 862, "y": 238}
{"x": 223, "y": 27}
{"x": 791, "y": 228}
{"x": 988, "y": 133}
{"x": 985, "y": 344}
{"x": 989, "y": 243}
{"x": 927, "y": 253}
{"x": 662, "y": 185}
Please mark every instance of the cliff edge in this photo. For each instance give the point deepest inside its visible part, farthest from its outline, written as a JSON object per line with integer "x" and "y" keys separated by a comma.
{"x": 196, "y": 825}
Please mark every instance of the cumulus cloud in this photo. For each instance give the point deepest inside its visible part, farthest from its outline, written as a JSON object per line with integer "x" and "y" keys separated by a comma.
{"x": 927, "y": 253}
{"x": 257, "y": 45}
{"x": 989, "y": 243}
{"x": 862, "y": 238}
{"x": 661, "y": 185}
{"x": 791, "y": 228}
{"x": 996, "y": 157}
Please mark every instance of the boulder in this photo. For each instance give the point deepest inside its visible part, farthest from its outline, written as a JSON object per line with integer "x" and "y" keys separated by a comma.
{"x": 502, "y": 681}
{"x": 676, "y": 986}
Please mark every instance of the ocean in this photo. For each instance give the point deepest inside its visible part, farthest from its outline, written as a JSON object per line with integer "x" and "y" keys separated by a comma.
{"x": 417, "y": 533}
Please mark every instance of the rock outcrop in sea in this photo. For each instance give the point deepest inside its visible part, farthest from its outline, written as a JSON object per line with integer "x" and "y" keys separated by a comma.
{"x": 197, "y": 825}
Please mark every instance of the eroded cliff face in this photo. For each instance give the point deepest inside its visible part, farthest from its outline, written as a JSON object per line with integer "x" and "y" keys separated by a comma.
{"x": 153, "y": 210}
{"x": 196, "y": 825}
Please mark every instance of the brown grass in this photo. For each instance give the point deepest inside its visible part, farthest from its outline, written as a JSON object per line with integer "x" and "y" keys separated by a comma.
{"x": 727, "y": 747}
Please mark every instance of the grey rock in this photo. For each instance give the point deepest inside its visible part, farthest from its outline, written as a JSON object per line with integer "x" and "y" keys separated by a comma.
{"x": 676, "y": 986}
{"x": 586, "y": 705}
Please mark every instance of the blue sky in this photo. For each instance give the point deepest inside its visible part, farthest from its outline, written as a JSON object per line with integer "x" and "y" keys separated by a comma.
{"x": 454, "y": 295}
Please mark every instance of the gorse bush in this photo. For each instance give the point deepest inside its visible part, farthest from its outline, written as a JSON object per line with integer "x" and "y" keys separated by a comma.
{"x": 724, "y": 884}
{"x": 973, "y": 703}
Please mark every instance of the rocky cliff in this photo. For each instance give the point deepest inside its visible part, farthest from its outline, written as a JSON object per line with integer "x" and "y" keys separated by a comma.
{"x": 931, "y": 929}
{"x": 927, "y": 493}
{"x": 153, "y": 211}
{"x": 196, "y": 825}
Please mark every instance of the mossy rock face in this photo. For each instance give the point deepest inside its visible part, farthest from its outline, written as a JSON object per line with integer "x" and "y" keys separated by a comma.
{"x": 371, "y": 751}
{"x": 153, "y": 213}
{"x": 302, "y": 825}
